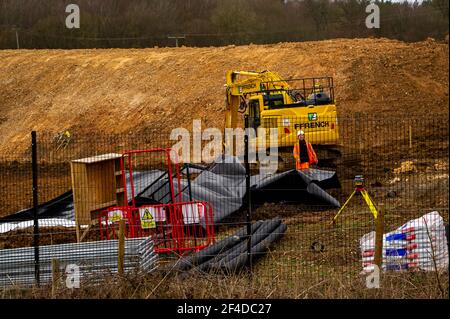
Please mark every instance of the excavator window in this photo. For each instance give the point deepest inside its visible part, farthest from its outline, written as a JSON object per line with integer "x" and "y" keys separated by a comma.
{"x": 273, "y": 100}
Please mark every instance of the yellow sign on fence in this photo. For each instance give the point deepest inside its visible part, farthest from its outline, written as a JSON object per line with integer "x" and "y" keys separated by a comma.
{"x": 147, "y": 218}
{"x": 115, "y": 215}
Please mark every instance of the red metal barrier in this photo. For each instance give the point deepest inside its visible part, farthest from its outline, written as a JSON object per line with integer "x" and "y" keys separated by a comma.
{"x": 177, "y": 226}
{"x": 174, "y": 227}
{"x": 168, "y": 152}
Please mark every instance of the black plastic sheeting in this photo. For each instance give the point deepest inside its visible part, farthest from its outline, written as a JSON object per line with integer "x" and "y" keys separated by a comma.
{"x": 222, "y": 185}
{"x": 61, "y": 206}
{"x": 306, "y": 187}
{"x": 230, "y": 254}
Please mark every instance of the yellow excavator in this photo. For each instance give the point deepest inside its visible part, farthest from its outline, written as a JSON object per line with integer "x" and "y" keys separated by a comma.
{"x": 289, "y": 105}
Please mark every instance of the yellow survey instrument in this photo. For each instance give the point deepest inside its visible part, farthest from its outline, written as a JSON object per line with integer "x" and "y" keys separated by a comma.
{"x": 359, "y": 188}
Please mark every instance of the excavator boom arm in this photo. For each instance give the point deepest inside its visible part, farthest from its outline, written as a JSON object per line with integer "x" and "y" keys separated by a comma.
{"x": 253, "y": 82}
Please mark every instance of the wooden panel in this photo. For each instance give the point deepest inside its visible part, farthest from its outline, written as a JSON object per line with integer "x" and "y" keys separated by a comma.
{"x": 80, "y": 192}
{"x": 98, "y": 158}
{"x": 120, "y": 187}
{"x": 102, "y": 182}
{"x": 97, "y": 184}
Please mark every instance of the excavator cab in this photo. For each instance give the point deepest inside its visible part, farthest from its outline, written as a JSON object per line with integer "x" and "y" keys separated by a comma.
{"x": 272, "y": 101}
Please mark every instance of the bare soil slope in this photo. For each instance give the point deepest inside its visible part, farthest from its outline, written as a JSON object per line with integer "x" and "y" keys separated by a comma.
{"x": 118, "y": 91}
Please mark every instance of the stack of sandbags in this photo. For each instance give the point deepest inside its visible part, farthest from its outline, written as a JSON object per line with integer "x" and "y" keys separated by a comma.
{"x": 419, "y": 244}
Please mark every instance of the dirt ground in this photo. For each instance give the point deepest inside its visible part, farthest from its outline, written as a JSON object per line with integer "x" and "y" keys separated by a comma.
{"x": 140, "y": 90}
{"x": 386, "y": 91}
{"x": 112, "y": 100}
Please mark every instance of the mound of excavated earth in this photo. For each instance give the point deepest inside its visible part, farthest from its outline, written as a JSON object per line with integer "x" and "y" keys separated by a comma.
{"x": 126, "y": 90}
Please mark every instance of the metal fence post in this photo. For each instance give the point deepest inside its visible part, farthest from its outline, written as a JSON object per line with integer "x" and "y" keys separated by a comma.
{"x": 248, "y": 196}
{"x": 379, "y": 231}
{"x": 121, "y": 247}
{"x": 55, "y": 276}
{"x": 34, "y": 169}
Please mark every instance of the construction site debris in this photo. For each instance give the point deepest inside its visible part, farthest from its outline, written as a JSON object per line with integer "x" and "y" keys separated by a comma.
{"x": 222, "y": 185}
{"x": 405, "y": 167}
{"x": 418, "y": 244}
{"x": 17, "y": 266}
{"x": 46, "y": 222}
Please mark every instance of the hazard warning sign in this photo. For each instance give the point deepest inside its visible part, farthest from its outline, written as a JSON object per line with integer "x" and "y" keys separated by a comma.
{"x": 147, "y": 218}
{"x": 115, "y": 215}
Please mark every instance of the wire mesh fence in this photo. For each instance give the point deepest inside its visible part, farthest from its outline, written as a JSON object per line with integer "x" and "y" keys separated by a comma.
{"x": 209, "y": 211}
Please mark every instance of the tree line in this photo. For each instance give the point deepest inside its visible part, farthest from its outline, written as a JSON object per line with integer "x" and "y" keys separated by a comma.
{"x": 149, "y": 23}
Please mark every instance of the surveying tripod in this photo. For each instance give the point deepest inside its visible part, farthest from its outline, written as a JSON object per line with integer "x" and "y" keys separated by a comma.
{"x": 359, "y": 187}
